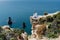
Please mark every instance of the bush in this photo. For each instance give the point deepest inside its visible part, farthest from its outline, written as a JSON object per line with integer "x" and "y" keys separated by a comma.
{"x": 1, "y": 35}
{"x": 49, "y": 27}
{"x": 42, "y": 21}
{"x": 54, "y": 16}
{"x": 52, "y": 35}
{"x": 58, "y": 16}
{"x": 1, "y": 39}
{"x": 12, "y": 38}
{"x": 0, "y": 29}
{"x": 49, "y": 19}
{"x": 18, "y": 31}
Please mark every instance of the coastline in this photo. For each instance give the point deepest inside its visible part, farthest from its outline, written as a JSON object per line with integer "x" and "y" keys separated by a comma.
{"x": 37, "y": 28}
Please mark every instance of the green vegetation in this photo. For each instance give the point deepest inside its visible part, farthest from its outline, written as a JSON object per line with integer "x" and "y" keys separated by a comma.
{"x": 53, "y": 23}
{"x": 4, "y": 34}
{"x": 42, "y": 20}
{"x": 53, "y": 30}
{"x": 12, "y": 39}
{"x": 18, "y": 31}
{"x": 52, "y": 35}
{"x": 49, "y": 19}
{"x": 1, "y": 39}
{"x": 1, "y": 29}
{"x": 54, "y": 26}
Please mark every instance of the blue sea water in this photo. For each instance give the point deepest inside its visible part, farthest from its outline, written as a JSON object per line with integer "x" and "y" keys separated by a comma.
{"x": 20, "y": 11}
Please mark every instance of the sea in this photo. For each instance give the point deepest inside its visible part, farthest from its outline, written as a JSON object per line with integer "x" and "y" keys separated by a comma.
{"x": 20, "y": 11}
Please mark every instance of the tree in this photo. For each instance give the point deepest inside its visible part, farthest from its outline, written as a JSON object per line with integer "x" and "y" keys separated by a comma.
{"x": 49, "y": 19}
{"x": 42, "y": 21}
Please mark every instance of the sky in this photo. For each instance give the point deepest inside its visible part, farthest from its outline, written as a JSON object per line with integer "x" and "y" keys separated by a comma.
{"x": 29, "y": 0}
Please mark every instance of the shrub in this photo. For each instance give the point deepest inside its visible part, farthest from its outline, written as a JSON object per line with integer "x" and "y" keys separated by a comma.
{"x": 49, "y": 19}
{"x": 1, "y": 39}
{"x": 52, "y": 35}
{"x": 0, "y": 29}
{"x": 12, "y": 38}
{"x": 18, "y": 31}
{"x": 1, "y": 35}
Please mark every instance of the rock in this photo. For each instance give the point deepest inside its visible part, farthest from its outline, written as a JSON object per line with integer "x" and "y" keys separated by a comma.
{"x": 6, "y": 27}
